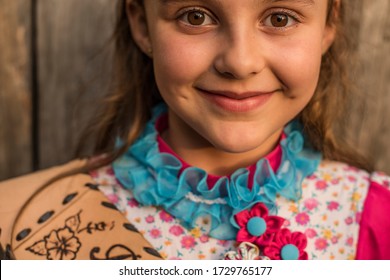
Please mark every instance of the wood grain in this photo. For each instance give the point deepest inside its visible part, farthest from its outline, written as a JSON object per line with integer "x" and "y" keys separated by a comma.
{"x": 15, "y": 85}
{"x": 73, "y": 55}
{"x": 370, "y": 121}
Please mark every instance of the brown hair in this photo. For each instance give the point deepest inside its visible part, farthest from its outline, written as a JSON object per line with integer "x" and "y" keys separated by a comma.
{"x": 133, "y": 93}
{"x": 326, "y": 114}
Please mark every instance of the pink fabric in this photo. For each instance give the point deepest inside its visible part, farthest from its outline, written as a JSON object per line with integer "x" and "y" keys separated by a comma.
{"x": 286, "y": 237}
{"x": 273, "y": 225}
{"x": 374, "y": 234}
{"x": 274, "y": 157}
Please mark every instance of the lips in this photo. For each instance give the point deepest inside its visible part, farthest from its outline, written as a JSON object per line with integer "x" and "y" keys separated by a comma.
{"x": 236, "y": 102}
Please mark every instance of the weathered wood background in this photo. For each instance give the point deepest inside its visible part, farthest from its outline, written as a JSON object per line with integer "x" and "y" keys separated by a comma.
{"x": 54, "y": 64}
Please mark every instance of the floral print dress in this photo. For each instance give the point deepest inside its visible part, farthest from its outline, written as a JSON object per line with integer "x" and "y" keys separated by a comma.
{"x": 289, "y": 205}
{"x": 327, "y": 215}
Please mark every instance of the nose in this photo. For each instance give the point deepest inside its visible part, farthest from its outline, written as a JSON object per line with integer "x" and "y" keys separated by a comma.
{"x": 240, "y": 55}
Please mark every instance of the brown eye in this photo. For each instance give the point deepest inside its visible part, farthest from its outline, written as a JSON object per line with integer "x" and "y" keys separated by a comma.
{"x": 196, "y": 18}
{"x": 279, "y": 20}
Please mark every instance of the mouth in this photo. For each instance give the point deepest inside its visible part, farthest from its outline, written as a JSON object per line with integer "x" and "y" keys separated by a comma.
{"x": 238, "y": 102}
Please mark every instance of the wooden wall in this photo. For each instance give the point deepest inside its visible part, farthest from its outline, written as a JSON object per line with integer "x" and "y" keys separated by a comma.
{"x": 73, "y": 68}
{"x": 55, "y": 58}
{"x": 54, "y": 63}
{"x": 15, "y": 88}
{"x": 372, "y": 80}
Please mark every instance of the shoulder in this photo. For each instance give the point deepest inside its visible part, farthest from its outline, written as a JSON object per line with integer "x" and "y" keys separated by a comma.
{"x": 340, "y": 189}
{"x": 68, "y": 218}
{"x": 342, "y": 169}
{"x": 340, "y": 177}
{"x": 105, "y": 176}
{"x": 349, "y": 172}
{"x": 351, "y": 187}
{"x": 370, "y": 197}
{"x": 31, "y": 181}
{"x": 15, "y": 193}
{"x": 380, "y": 178}
{"x": 359, "y": 198}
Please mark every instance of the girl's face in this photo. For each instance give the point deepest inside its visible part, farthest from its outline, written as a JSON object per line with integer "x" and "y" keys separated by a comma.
{"x": 233, "y": 73}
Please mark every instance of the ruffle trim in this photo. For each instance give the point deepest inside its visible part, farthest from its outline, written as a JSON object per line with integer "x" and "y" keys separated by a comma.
{"x": 155, "y": 179}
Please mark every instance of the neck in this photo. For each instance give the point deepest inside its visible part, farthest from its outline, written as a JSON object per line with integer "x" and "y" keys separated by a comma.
{"x": 197, "y": 151}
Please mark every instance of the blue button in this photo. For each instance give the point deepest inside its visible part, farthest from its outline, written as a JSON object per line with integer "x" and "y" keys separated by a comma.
{"x": 256, "y": 226}
{"x": 289, "y": 252}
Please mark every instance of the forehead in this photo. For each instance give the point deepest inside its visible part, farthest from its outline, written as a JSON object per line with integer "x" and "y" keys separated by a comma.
{"x": 232, "y": 4}
{"x": 228, "y": 10}
{"x": 307, "y": 2}
{"x": 232, "y": 7}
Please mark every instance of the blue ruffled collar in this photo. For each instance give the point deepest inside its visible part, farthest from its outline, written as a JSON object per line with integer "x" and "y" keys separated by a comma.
{"x": 155, "y": 179}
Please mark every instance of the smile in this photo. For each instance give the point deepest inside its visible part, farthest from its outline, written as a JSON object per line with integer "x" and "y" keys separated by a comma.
{"x": 236, "y": 102}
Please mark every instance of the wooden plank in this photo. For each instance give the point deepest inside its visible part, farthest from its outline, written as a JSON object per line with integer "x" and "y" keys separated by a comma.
{"x": 74, "y": 59}
{"x": 372, "y": 129}
{"x": 15, "y": 94}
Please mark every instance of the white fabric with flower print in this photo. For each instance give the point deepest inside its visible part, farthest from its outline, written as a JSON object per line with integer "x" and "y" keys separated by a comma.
{"x": 328, "y": 214}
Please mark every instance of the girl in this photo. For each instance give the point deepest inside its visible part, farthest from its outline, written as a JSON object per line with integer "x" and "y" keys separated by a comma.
{"x": 217, "y": 143}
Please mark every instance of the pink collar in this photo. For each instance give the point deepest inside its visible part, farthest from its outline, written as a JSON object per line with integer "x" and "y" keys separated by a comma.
{"x": 274, "y": 157}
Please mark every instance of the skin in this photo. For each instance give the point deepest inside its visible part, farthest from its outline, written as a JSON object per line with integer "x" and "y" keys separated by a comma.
{"x": 236, "y": 48}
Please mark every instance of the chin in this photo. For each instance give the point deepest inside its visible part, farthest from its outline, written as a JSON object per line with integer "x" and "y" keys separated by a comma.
{"x": 239, "y": 146}
{"x": 236, "y": 150}
{"x": 236, "y": 139}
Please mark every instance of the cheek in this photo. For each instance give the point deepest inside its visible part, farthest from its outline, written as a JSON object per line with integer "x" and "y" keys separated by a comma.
{"x": 178, "y": 60}
{"x": 298, "y": 65}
